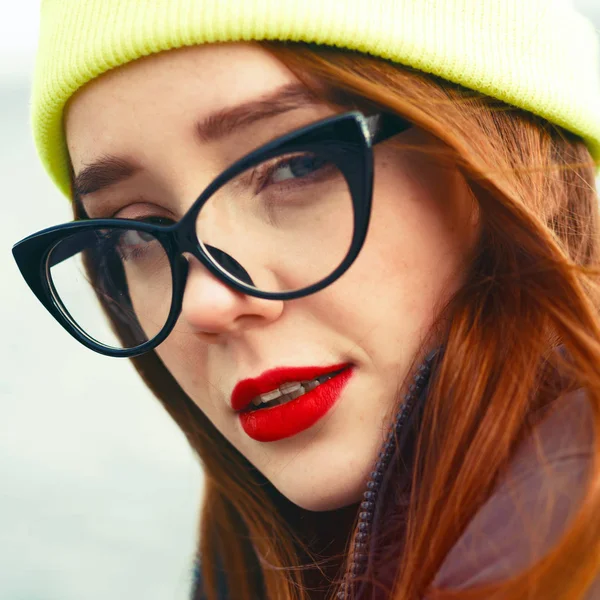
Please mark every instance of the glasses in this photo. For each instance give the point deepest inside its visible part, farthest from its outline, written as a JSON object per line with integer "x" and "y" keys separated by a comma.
{"x": 283, "y": 222}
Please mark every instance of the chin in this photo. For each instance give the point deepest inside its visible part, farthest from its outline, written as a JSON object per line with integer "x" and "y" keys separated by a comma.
{"x": 328, "y": 472}
{"x": 333, "y": 497}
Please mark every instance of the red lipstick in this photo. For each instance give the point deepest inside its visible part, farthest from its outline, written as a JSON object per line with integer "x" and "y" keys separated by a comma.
{"x": 285, "y": 420}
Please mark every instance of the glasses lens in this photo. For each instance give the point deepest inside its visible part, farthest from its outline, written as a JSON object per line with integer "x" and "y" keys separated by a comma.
{"x": 282, "y": 225}
{"x": 124, "y": 272}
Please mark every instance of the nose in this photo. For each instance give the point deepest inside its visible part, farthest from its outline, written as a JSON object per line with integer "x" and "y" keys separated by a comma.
{"x": 211, "y": 307}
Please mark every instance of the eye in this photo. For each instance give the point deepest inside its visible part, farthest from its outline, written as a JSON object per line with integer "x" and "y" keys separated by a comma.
{"x": 296, "y": 167}
{"x": 132, "y": 244}
{"x": 133, "y": 237}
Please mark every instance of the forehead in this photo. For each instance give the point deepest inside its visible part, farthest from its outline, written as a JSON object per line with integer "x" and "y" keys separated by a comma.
{"x": 166, "y": 88}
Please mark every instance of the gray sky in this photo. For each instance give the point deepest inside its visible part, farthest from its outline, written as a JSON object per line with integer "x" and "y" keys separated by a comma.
{"x": 99, "y": 490}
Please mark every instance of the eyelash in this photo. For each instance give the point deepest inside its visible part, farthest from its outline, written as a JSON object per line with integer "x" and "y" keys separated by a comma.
{"x": 265, "y": 171}
{"x": 148, "y": 218}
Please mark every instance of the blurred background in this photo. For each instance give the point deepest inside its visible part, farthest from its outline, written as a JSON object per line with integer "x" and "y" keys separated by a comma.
{"x": 99, "y": 491}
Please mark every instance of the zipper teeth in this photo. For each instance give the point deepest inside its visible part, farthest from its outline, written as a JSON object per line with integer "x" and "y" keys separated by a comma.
{"x": 359, "y": 554}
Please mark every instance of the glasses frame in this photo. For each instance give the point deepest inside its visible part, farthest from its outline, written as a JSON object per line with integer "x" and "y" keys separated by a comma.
{"x": 346, "y": 138}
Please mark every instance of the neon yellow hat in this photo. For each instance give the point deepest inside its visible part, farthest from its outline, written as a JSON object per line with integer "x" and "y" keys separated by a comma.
{"x": 538, "y": 55}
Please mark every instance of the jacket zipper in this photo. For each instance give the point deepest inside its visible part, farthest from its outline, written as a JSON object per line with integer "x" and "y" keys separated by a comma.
{"x": 360, "y": 537}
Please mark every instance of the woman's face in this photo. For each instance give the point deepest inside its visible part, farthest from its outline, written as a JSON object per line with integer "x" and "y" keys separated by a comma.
{"x": 373, "y": 318}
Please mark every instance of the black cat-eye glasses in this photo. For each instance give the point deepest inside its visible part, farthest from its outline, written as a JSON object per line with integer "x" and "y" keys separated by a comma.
{"x": 283, "y": 222}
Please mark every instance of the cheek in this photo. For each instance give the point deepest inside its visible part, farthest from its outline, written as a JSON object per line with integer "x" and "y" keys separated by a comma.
{"x": 187, "y": 360}
{"x": 150, "y": 289}
{"x": 416, "y": 253}
{"x": 422, "y": 230}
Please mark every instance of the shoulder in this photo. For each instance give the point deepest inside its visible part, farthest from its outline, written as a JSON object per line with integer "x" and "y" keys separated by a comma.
{"x": 533, "y": 501}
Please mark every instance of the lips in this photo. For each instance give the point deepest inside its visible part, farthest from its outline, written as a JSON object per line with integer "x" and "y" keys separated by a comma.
{"x": 293, "y": 416}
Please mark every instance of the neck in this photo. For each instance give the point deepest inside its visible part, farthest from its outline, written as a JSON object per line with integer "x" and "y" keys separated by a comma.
{"x": 329, "y": 538}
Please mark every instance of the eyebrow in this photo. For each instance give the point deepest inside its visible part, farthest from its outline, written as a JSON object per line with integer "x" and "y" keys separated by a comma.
{"x": 102, "y": 173}
{"x": 226, "y": 121}
{"x": 109, "y": 169}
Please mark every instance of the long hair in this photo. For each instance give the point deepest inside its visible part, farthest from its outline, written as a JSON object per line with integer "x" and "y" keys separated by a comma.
{"x": 531, "y": 287}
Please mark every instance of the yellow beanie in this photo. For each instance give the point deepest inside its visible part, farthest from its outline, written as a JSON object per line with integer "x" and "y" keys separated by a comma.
{"x": 538, "y": 55}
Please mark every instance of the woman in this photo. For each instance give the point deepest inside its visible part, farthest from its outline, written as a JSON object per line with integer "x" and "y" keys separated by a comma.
{"x": 353, "y": 251}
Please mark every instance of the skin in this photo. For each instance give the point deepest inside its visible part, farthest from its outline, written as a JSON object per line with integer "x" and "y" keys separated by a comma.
{"x": 424, "y": 225}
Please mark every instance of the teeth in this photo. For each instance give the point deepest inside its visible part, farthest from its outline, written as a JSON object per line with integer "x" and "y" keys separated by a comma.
{"x": 271, "y": 395}
{"x": 297, "y": 393}
{"x": 310, "y": 385}
{"x": 288, "y": 388}
{"x": 291, "y": 391}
